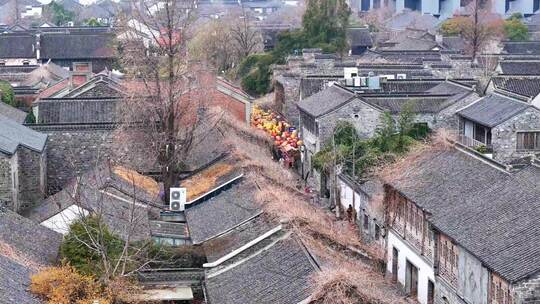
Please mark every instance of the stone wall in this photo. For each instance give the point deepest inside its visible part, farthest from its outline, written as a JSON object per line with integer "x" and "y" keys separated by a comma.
{"x": 364, "y": 117}
{"x": 504, "y": 136}
{"x": 6, "y": 182}
{"x": 74, "y": 149}
{"x": 287, "y": 97}
{"x": 31, "y": 177}
{"x": 528, "y": 291}
{"x": 447, "y": 118}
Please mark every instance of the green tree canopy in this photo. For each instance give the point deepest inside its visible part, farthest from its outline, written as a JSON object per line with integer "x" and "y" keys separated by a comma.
{"x": 83, "y": 234}
{"x": 93, "y": 22}
{"x": 515, "y": 29}
{"x": 58, "y": 14}
{"x": 6, "y": 93}
{"x": 394, "y": 136}
{"x": 325, "y": 24}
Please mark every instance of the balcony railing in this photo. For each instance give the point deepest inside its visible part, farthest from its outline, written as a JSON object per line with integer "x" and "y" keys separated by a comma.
{"x": 474, "y": 144}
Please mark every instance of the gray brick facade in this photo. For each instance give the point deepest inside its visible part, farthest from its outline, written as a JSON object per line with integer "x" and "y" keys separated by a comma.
{"x": 504, "y": 136}
{"x": 72, "y": 150}
{"x": 75, "y": 149}
{"x": 6, "y": 179}
{"x": 528, "y": 291}
{"x": 32, "y": 169}
{"x": 22, "y": 178}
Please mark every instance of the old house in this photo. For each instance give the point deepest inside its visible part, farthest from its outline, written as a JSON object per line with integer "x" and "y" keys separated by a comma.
{"x": 24, "y": 165}
{"x": 17, "y": 49}
{"x": 79, "y": 116}
{"x": 313, "y": 64}
{"x": 442, "y": 247}
{"x": 500, "y": 125}
{"x": 321, "y": 112}
{"x": 62, "y": 45}
{"x": 20, "y": 257}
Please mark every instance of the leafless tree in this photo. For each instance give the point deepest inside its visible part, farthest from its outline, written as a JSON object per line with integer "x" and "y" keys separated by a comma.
{"x": 225, "y": 42}
{"x": 479, "y": 28}
{"x": 108, "y": 217}
{"x": 248, "y": 39}
{"x": 165, "y": 113}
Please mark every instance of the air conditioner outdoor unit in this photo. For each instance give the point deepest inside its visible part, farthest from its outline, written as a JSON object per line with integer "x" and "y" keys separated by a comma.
{"x": 177, "y": 199}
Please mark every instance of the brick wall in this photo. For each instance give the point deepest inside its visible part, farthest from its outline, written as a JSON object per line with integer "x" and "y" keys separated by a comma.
{"x": 448, "y": 254}
{"x": 234, "y": 106}
{"x": 500, "y": 292}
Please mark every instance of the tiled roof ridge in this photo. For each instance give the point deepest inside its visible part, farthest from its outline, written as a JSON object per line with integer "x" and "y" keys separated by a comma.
{"x": 255, "y": 254}
{"x": 246, "y": 246}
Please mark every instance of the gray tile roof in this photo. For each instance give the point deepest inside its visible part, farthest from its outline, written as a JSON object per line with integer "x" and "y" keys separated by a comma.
{"x": 493, "y": 110}
{"x": 77, "y": 110}
{"x": 38, "y": 243}
{"x": 280, "y": 274}
{"x": 359, "y": 36}
{"x": 413, "y": 44}
{"x": 449, "y": 88}
{"x": 520, "y": 67}
{"x": 238, "y": 237}
{"x": 12, "y": 113}
{"x": 525, "y": 86}
{"x": 223, "y": 212}
{"x": 312, "y": 85}
{"x": 455, "y": 43}
{"x": 409, "y": 85}
{"x": 100, "y": 191}
{"x": 76, "y": 46}
{"x": 15, "y": 283}
{"x": 326, "y": 100}
{"x": 490, "y": 212}
{"x": 522, "y": 47}
{"x": 420, "y": 103}
{"x": 13, "y": 134}
{"x": 16, "y": 46}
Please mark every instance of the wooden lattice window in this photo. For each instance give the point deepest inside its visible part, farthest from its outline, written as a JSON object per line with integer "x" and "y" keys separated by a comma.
{"x": 527, "y": 141}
